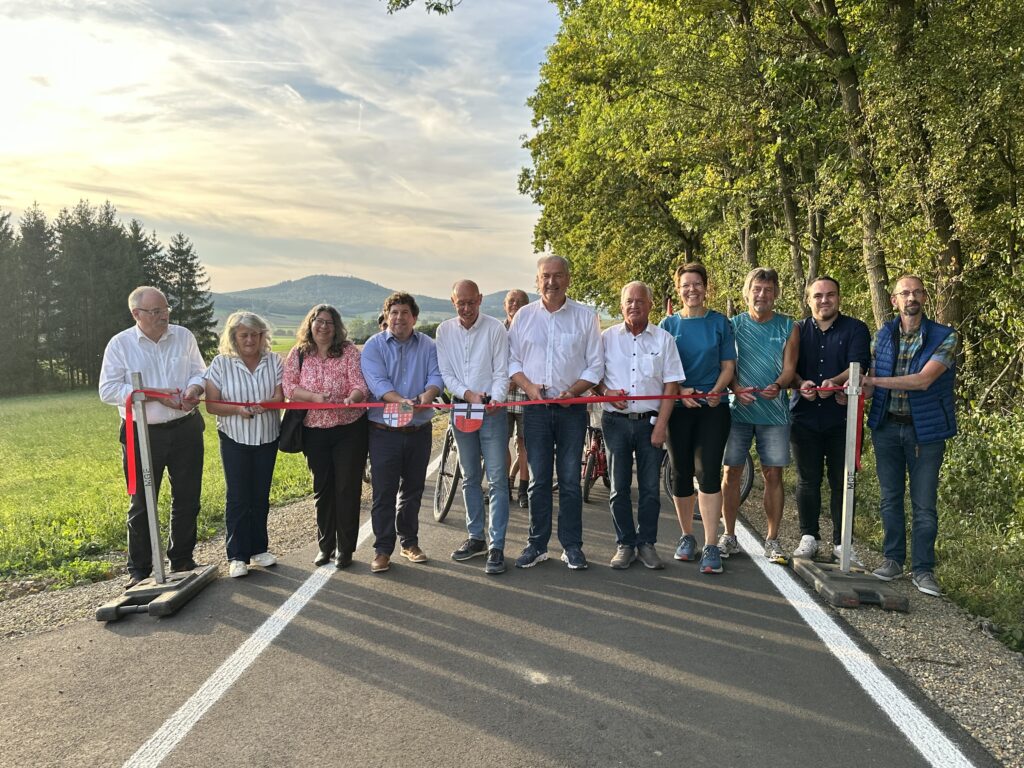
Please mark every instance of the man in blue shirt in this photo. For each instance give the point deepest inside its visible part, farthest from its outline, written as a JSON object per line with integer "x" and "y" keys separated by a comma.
{"x": 829, "y": 342}
{"x": 400, "y": 366}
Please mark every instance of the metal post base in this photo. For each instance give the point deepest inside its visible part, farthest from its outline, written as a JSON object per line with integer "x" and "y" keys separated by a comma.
{"x": 848, "y": 590}
{"x": 158, "y": 599}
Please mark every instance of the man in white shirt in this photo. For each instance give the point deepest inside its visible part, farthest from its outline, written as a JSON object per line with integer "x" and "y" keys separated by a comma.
{"x": 555, "y": 353}
{"x": 639, "y": 359}
{"x": 168, "y": 358}
{"x": 472, "y": 353}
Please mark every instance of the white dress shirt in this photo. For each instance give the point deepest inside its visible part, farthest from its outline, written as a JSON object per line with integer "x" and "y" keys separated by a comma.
{"x": 556, "y": 349}
{"x": 474, "y": 358}
{"x": 173, "y": 362}
{"x": 640, "y": 365}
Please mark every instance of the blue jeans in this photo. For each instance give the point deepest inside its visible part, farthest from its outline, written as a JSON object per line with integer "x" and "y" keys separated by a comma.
{"x": 549, "y": 427}
{"x": 772, "y": 442}
{"x": 897, "y": 454}
{"x": 248, "y": 474}
{"x": 625, "y": 438}
{"x": 490, "y": 442}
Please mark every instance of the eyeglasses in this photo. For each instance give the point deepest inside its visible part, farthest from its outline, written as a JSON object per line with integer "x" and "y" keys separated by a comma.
{"x": 155, "y": 311}
{"x": 916, "y": 293}
{"x": 323, "y": 323}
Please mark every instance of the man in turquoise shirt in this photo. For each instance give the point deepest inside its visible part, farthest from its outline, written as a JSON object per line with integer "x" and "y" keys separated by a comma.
{"x": 766, "y": 354}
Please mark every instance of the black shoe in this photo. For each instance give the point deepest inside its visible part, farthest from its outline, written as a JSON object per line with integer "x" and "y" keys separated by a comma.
{"x": 524, "y": 500}
{"x": 133, "y": 579}
{"x": 183, "y": 565}
{"x": 470, "y": 548}
{"x": 322, "y": 558}
{"x": 495, "y": 562}
{"x": 343, "y": 560}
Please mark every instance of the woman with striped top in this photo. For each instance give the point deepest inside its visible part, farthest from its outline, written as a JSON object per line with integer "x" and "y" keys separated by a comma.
{"x": 246, "y": 371}
{"x": 323, "y": 367}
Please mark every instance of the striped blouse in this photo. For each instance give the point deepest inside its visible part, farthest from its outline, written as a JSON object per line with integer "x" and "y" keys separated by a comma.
{"x": 335, "y": 377}
{"x": 240, "y": 385}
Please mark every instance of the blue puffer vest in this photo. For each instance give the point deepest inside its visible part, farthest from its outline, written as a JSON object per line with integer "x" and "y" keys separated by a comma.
{"x": 932, "y": 409}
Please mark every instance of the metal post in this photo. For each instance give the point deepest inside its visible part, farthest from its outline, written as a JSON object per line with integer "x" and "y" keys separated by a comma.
{"x": 852, "y": 414}
{"x": 146, "y": 467}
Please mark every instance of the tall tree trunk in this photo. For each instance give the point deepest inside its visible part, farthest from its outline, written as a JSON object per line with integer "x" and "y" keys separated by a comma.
{"x": 789, "y": 210}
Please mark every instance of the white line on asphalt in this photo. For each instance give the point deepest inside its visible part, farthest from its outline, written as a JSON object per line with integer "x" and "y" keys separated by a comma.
{"x": 177, "y": 726}
{"x": 925, "y": 736}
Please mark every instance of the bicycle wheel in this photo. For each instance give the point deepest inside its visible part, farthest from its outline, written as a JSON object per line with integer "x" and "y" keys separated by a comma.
{"x": 589, "y": 478}
{"x": 448, "y": 475}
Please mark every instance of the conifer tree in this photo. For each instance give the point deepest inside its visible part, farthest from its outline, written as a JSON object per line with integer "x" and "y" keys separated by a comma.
{"x": 183, "y": 279}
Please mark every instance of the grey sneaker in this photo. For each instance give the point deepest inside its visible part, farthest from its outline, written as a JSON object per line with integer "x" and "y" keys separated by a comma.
{"x": 469, "y": 549}
{"x": 648, "y": 555}
{"x": 623, "y": 558}
{"x": 773, "y": 551}
{"x": 728, "y": 545}
{"x": 888, "y": 570}
{"x": 808, "y": 547}
{"x": 925, "y": 582}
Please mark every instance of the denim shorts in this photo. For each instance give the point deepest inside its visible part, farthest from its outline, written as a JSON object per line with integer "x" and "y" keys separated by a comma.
{"x": 772, "y": 444}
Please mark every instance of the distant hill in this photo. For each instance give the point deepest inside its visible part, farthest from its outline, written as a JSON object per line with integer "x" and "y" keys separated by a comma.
{"x": 285, "y": 304}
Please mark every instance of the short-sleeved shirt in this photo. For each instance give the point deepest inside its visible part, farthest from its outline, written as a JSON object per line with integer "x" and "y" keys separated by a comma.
{"x": 760, "y": 348}
{"x": 640, "y": 364}
{"x": 910, "y": 345}
{"x": 703, "y": 343}
{"x": 240, "y": 385}
{"x": 824, "y": 355}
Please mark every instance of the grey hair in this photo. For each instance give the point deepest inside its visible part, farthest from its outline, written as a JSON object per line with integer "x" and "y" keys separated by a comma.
{"x": 551, "y": 257}
{"x": 135, "y": 297}
{"x": 634, "y": 284}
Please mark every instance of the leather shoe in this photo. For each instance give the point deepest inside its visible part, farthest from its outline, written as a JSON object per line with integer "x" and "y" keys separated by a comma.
{"x": 343, "y": 560}
{"x": 133, "y": 580}
{"x": 380, "y": 563}
{"x": 184, "y": 565}
{"x": 414, "y": 554}
{"x": 322, "y": 558}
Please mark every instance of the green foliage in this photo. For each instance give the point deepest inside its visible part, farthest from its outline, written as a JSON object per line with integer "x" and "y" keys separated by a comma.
{"x": 62, "y": 497}
{"x": 183, "y": 279}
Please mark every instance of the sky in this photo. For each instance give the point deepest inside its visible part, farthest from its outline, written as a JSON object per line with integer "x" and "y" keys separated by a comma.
{"x": 284, "y": 139}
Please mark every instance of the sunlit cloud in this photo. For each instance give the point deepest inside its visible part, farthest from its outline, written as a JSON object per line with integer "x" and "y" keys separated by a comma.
{"x": 285, "y": 139}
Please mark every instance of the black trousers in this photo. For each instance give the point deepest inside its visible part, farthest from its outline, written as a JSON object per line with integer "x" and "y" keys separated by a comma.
{"x": 813, "y": 451}
{"x": 176, "y": 447}
{"x": 399, "y": 461}
{"x": 336, "y": 457}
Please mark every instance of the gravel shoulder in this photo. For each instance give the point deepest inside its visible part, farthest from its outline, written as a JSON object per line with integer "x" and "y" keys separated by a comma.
{"x": 945, "y": 652}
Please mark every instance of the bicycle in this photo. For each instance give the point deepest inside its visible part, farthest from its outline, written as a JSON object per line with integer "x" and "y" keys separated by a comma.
{"x": 746, "y": 481}
{"x": 595, "y": 462}
{"x": 449, "y": 473}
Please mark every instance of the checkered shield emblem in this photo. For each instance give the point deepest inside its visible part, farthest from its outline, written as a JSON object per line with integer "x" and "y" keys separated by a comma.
{"x": 397, "y": 414}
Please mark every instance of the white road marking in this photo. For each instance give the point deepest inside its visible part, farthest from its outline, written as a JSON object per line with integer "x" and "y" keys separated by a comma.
{"x": 923, "y": 734}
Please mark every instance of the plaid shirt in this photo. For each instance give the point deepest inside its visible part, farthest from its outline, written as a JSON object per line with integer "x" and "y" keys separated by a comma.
{"x": 910, "y": 344}
{"x": 515, "y": 394}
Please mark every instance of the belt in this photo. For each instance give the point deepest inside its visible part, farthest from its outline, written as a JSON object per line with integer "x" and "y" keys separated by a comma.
{"x": 410, "y": 428}
{"x": 900, "y": 418}
{"x": 173, "y": 423}
{"x": 633, "y": 416}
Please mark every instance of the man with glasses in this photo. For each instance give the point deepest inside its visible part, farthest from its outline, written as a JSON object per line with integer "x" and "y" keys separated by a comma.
{"x": 172, "y": 370}
{"x": 912, "y": 415}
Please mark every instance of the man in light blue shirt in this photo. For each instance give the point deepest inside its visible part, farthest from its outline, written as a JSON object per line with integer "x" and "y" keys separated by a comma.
{"x": 400, "y": 366}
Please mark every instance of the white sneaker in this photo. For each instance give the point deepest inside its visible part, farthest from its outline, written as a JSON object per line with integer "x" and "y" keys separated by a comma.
{"x": 808, "y": 547}
{"x": 263, "y": 559}
{"x": 837, "y": 551}
{"x": 237, "y": 568}
{"x": 773, "y": 551}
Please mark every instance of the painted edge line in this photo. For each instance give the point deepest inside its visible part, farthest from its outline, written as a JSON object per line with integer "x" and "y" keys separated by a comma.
{"x": 178, "y": 725}
{"x": 919, "y": 729}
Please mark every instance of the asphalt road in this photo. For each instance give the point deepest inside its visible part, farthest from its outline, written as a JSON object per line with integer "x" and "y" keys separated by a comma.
{"x": 441, "y": 665}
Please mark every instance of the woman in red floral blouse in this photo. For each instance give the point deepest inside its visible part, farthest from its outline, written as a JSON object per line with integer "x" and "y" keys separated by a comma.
{"x": 323, "y": 367}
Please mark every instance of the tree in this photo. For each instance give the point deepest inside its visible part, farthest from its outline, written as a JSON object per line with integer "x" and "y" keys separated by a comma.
{"x": 183, "y": 279}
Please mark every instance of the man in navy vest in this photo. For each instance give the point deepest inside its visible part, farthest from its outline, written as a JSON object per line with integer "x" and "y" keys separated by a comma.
{"x": 912, "y": 416}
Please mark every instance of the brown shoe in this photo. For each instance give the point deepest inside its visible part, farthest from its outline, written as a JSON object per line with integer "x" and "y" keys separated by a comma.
{"x": 380, "y": 563}
{"x": 414, "y": 554}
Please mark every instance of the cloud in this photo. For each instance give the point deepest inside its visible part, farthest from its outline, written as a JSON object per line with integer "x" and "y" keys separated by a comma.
{"x": 289, "y": 132}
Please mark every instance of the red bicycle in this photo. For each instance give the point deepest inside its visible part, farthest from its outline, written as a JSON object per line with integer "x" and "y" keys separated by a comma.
{"x": 595, "y": 462}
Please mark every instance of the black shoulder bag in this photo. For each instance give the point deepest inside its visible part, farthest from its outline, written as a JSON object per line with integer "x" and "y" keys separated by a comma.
{"x": 291, "y": 425}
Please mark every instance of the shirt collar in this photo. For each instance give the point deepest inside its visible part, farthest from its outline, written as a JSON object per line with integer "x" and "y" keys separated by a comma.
{"x": 139, "y": 335}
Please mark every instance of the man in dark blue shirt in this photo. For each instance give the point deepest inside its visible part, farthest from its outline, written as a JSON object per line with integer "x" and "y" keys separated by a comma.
{"x": 829, "y": 342}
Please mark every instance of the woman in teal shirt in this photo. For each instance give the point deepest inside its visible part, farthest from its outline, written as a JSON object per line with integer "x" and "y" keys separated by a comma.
{"x": 699, "y": 428}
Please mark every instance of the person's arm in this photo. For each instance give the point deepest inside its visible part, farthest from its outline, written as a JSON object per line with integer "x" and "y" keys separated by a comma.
{"x": 660, "y": 431}
{"x": 789, "y": 357}
{"x": 375, "y": 372}
{"x": 435, "y": 384}
{"x": 449, "y": 374}
{"x": 114, "y": 386}
{"x": 222, "y": 409}
{"x": 593, "y": 356}
{"x": 913, "y": 381}
{"x": 499, "y": 365}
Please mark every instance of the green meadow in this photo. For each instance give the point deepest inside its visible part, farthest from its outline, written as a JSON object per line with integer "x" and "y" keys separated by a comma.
{"x": 62, "y": 492}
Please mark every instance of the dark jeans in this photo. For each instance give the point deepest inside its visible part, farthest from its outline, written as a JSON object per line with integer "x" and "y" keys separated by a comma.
{"x": 812, "y": 452}
{"x": 551, "y": 427}
{"x": 696, "y": 445}
{"x": 625, "y": 438}
{"x": 177, "y": 448}
{"x": 336, "y": 457}
{"x": 399, "y": 461}
{"x": 897, "y": 455}
{"x": 248, "y": 474}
